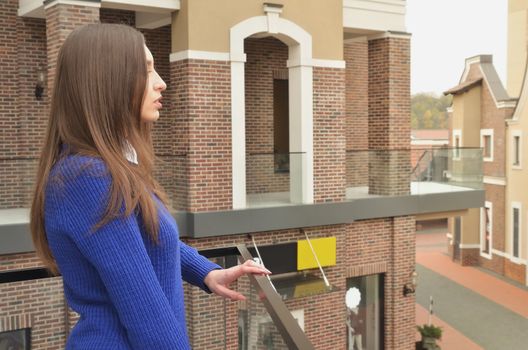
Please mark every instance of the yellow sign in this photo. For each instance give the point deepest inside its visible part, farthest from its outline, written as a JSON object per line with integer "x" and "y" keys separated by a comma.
{"x": 325, "y": 249}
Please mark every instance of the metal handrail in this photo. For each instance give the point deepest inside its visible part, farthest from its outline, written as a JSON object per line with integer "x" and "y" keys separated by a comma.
{"x": 291, "y": 332}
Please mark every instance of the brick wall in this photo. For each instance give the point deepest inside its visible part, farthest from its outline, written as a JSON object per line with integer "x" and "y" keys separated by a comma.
{"x": 329, "y": 138}
{"x": 40, "y": 301}
{"x": 388, "y": 243}
{"x": 496, "y": 195}
{"x": 515, "y": 271}
{"x": 22, "y": 117}
{"x": 264, "y": 59}
{"x": 469, "y": 256}
{"x": 202, "y": 114}
{"x": 43, "y": 301}
{"x": 496, "y": 263}
{"x": 389, "y": 115}
{"x": 493, "y": 118}
{"x": 61, "y": 20}
{"x": 19, "y": 261}
{"x": 356, "y": 102}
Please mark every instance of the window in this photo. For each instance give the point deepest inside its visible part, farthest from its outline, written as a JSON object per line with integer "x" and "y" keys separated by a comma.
{"x": 457, "y": 143}
{"x": 364, "y": 301}
{"x": 486, "y": 142}
{"x": 516, "y": 149}
{"x": 19, "y": 339}
{"x": 281, "y": 130}
{"x": 516, "y": 229}
{"x": 486, "y": 229}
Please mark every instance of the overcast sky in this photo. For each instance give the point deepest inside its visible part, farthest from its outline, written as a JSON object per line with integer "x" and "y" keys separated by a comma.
{"x": 446, "y": 32}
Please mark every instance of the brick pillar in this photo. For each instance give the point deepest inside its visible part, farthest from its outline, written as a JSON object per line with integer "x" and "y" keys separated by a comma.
{"x": 329, "y": 134}
{"x": 356, "y": 57}
{"x": 8, "y": 107}
{"x": 61, "y": 20}
{"x": 399, "y": 309}
{"x": 389, "y": 115}
{"x": 202, "y": 134}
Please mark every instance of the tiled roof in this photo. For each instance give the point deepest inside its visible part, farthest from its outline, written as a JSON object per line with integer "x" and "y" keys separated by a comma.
{"x": 465, "y": 86}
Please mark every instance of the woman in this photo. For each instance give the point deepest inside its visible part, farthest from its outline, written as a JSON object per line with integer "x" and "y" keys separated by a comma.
{"x": 98, "y": 216}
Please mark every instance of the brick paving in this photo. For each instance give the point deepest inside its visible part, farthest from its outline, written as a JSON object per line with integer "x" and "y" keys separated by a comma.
{"x": 476, "y": 309}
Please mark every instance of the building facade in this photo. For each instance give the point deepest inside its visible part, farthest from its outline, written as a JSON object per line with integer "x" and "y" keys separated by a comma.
{"x": 486, "y": 114}
{"x": 285, "y": 124}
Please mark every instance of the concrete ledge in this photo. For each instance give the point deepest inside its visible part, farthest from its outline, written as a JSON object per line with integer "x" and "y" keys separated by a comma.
{"x": 208, "y": 224}
{"x": 16, "y": 238}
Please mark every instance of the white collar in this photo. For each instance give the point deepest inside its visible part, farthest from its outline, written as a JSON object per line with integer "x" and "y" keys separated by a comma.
{"x": 130, "y": 152}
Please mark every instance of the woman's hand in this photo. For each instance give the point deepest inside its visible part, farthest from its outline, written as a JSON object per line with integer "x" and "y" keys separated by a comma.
{"x": 218, "y": 281}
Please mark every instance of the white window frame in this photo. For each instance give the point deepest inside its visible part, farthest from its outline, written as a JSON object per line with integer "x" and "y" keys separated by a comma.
{"x": 516, "y": 205}
{"x": 487, "y": 132}
{"x": 516, "y": 133}
{"x": 487, "y": 205}
{"x": 457, "y": 133}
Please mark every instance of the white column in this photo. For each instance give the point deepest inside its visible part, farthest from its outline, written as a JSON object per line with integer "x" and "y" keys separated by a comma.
{"x": 301, "y": 129}
{"x": 238, "y": 131}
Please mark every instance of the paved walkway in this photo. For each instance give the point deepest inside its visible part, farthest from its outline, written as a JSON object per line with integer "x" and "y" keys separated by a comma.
{"x": 476, "y": 309}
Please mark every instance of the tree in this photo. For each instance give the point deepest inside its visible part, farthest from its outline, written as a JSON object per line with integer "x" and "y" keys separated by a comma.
{"x": 428, "y": 111}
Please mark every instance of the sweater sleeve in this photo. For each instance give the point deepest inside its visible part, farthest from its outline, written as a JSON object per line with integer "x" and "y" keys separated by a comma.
{"x": 195, "y": 267}
{"x": 116, "y": 250}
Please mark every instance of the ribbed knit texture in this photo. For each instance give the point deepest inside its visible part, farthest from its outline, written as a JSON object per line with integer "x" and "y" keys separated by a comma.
{"x": 127, "y": 290}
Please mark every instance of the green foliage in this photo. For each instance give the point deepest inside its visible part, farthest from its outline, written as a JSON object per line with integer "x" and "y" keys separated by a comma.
{"x": 428, "y": 111}
{"x": 430, "y": 331}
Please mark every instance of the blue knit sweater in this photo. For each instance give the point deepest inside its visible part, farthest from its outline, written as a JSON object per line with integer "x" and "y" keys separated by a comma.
{"x": 127, "y": 290}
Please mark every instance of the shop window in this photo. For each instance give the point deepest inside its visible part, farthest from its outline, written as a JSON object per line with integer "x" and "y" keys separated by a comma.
{"x": 364, "y": 300}
{"x": 19, "y": 339}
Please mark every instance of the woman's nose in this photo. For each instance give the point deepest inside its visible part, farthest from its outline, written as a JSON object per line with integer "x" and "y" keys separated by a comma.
{"x": 160, "y": 85}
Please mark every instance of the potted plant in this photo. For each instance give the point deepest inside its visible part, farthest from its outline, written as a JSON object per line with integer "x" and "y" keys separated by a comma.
{"x": 430, "y": 334}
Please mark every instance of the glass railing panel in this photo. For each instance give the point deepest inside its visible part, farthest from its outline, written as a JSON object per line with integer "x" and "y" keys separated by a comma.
{"x": 172, "y": 172}
{"x": 17, "y": 178}
{"x": 441, "y": 170}
{"x": 264, "y": 320}
{"x": 273, "y": 178}
{"x": 412, "y": 171}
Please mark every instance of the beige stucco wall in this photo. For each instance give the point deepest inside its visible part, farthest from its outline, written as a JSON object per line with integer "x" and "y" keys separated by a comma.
{"x": 517, "y": 184}
{"x": 471, "y": 227}
{"x": 204, "y": 24}
{"x": 471, "y": 117}
{"x": 517, "y": 44}
{"x": 466, "y": 117}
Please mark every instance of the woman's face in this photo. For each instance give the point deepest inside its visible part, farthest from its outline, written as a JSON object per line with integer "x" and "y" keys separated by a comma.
{"x": 155, "y": 85}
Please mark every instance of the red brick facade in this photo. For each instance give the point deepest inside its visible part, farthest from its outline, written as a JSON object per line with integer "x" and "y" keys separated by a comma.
{"x": 361, "y": 246}
{"x": 265, "y": 63}
{"x": 492, "y": 117}
{"x": 357, "y": 113}
{"x": 364, "y": 106}
{"x": 389, "y": 116}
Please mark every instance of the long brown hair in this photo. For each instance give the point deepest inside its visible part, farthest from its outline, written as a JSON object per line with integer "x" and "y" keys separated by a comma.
{"x": 96, "y": 102}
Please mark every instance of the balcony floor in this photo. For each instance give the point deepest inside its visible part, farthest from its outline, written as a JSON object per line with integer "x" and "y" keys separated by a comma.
{"x": 275, "y": 199}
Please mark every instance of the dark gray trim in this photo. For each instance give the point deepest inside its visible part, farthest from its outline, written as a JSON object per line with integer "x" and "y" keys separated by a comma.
{"x": 16, "y": 238}
{"x": 208, "y": 224}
